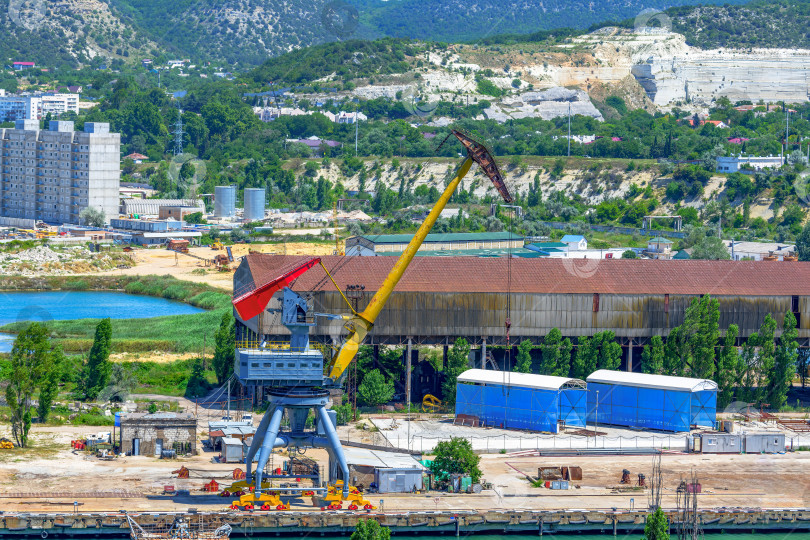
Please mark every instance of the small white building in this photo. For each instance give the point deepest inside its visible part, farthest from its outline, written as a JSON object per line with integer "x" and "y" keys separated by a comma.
{"x": 659, "y": 247}
{"x": 391, "y": 472}
{"x": 731, "y": 164}
{"x": 575, "y": 242}
{"x": 759, "y": 251}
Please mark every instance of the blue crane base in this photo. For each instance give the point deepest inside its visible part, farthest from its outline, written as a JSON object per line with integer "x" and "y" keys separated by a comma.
{"x": 297, "y": 403}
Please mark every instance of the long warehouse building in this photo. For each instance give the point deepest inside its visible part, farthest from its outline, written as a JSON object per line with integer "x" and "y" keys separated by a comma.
{"x": 440, "y": 299}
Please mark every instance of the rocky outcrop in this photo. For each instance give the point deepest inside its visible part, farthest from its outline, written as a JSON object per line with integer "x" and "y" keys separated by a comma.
{"x": 770, "y": 75}
{"x": 545, "y": 104}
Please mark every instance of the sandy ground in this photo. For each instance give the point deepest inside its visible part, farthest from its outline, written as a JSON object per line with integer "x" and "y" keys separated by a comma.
{"x": 162, "y": 261}
{"x": 51, "y": 467}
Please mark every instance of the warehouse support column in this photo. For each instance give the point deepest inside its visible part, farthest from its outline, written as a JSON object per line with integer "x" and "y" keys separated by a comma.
{"x": 408, "y": 388}
{"x": 629, "y": 366}
{"x": 484, "y": 353}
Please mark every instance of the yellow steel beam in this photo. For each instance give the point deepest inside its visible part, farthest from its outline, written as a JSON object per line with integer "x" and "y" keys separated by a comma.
{"x": 361, "y": 324}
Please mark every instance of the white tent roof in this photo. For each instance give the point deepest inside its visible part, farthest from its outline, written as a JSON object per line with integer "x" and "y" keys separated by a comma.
{"x": 646, "y": 380}
{"x": 380, "y": 460}
{"x": 522, "y": 380}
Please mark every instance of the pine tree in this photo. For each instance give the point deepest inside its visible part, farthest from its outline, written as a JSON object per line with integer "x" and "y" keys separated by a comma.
{"x": 703, "y": 316}
{"x": 748, "y": 371}
{"x": 728, "y": 369}
{"x": 50, "y": 384}
{"x": 780, "y": 378}
{"x": 767, "y": 352}
{"x": 98, "y": 367}
{"x": 524, "y": 357}
{"x": 225, "y": 348}
{"x": 551, "y": 352}
{"x": 652, "y": 357}
{"x": 675, "y": 353}
{"x": 585, "y": 358}
{"x": 610, "y": 352}
{"x": 564, "y": 366}
{"x": 31, "y": 366}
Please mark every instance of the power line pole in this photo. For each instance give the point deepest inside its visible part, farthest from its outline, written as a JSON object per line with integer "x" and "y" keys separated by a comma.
{"x": 178, "y": 133}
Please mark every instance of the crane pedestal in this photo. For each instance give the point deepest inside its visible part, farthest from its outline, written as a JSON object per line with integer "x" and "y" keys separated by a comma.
{"x": 297, "y": 403}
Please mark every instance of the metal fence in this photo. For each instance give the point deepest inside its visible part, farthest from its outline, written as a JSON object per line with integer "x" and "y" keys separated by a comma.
{"x": 559, "y": 225}
{"x": 513, "y": 443}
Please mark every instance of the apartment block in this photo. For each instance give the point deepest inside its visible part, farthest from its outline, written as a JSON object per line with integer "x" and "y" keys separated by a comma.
{"x": 37, "y": 106}
{"x": 52, "y": 175}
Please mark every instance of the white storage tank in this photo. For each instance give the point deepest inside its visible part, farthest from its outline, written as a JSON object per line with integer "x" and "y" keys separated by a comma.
{"x": 224, "y": 201}
{"x": 254, "y": 204}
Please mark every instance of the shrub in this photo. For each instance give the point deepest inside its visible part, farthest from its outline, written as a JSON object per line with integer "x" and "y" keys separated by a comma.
{"x": 175, "y": 292}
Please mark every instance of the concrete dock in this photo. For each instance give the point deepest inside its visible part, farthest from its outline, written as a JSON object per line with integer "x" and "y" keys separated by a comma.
{"x": 331, "y": 523}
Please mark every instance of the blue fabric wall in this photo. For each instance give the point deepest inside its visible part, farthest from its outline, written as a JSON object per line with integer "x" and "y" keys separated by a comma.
{"x": 521, "y": 408}
{"x": 650, "y": 408}
{"x": 704, "y": 408}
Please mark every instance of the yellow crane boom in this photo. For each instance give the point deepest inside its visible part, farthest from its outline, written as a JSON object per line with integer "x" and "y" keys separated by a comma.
{"x": 360, "y": 324}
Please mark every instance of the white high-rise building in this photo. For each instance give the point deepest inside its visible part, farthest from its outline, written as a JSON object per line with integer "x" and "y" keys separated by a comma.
{"x": 35, "y": 107}
{"x": 52, "y": 175}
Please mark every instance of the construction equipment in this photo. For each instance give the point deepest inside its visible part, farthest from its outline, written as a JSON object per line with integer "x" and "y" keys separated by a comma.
{"x": 217, "y": 246}
{"x": 6, "y": 444}
{"x": 182, "y": 472}
{"x": 180, "y": 246}
{"x": 294, "y": 373}
{"x": 211, "y": 487}
{"x": 431, "y": 403}
{"x": 222, "y": 263}
{"x": 260, "y": 501}
{"x": 334, "y": 499}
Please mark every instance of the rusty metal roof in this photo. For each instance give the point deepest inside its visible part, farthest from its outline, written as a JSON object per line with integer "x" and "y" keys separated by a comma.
{"x": 549, "y": 275}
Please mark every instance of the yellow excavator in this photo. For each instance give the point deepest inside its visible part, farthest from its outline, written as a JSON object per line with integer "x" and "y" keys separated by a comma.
{"x": 300, "y": 383}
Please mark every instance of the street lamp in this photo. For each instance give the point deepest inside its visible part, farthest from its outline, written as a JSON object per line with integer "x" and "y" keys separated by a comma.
{"x": 596, "y": 420}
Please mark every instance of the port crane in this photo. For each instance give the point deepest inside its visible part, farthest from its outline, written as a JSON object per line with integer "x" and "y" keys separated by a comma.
{"x": 295, "y": 373}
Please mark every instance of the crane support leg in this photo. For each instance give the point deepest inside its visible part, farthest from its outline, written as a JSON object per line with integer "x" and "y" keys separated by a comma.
{"x": 337, "y": 449}
{"x": 271, "y": 440}
{"x": 258, "y": 439}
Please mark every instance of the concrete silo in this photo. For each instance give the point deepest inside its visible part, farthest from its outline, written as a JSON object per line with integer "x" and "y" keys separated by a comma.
{"x": 254, "y": 204}
{"x": 224, "y": 201}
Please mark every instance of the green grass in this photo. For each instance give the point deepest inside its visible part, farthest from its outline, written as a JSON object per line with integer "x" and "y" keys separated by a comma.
{"x": 196, "y": 294}
{"x": 172, "y": 333}
{"x": 168, "y": 379}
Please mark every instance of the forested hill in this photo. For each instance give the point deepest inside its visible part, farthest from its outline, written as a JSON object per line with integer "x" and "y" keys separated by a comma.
{"x": 245, "y": 33}
{"x": 762, "y": 23}
{"x": 463, "y": 20}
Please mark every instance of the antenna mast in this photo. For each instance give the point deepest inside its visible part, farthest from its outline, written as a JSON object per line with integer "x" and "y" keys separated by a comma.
{"x": 178, "y": 133}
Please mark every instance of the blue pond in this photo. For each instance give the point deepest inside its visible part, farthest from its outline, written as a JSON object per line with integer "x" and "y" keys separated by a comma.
{"x": 66, "y": 305}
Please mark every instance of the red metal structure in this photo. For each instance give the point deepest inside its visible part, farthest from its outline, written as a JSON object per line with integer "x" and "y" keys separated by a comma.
{"x": 252, "y": 303}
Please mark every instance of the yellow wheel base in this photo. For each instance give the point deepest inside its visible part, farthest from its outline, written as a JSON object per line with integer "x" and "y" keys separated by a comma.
{"x": 355, "y": 500}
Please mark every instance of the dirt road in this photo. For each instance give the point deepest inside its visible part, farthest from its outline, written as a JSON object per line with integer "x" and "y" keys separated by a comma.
{"x": 727, "y": 480}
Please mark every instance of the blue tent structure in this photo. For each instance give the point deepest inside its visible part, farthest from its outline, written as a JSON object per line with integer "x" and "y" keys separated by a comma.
{"x": 641, "y": 400}
{"x": 521, "y": 400}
